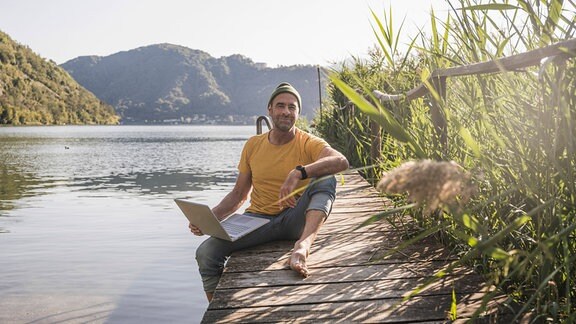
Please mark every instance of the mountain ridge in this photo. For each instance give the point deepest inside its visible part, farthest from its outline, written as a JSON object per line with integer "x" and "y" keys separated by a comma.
{"x": 171, "y": 82}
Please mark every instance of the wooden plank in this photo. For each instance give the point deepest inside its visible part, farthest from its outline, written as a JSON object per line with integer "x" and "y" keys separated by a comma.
{"x": 350, "y": 274}
{"x": 387, "y": 310}
{"x": 368, "y": 207}
{"x": 351, "y": 194}
{"x": 341, "y": 292}
{"x": 361, "y": 198}
{"x": 344, "y": 255}
{"x": 340, "y": 223}
{"x": 278, "y": 261}
{"x": 380, "y": 242}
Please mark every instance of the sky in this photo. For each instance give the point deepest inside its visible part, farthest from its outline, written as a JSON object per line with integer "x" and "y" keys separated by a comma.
{"x": 317, "y": 32}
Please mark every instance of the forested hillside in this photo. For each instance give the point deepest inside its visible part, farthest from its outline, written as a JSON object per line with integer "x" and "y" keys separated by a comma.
{"x": 34, "y": 91}
{"x": 164, "y": 82}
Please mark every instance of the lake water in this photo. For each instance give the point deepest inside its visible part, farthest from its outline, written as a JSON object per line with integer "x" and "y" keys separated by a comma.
{"x": 89, "y": 231}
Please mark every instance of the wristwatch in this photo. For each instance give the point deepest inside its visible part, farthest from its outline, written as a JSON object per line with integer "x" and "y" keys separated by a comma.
{"x": 303, "y": 171}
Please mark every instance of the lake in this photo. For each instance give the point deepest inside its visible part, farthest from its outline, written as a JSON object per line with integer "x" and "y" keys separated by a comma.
{"x": 89, "y": 231}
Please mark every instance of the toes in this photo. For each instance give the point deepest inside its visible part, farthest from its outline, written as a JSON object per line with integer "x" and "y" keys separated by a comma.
{"x": 297, "y": 262}
{"x": 304, "y": 272}
{"x": 300, "y": 267}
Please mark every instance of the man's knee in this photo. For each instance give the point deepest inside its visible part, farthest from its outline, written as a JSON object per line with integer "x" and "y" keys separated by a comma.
{"x": 322, "y": 196}
{"x": 325, "y": 184}
{"x": 201, "y": 253}
{"x": 209, "y": 257}
{"x": 320, "y": 203}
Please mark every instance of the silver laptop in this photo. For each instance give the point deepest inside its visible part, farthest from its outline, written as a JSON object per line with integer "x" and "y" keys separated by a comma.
{"x": 230, "y": 229}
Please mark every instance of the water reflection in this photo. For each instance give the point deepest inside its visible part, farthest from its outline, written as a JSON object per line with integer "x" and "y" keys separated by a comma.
{"x": 16, "y": 184}
{"x": 143, "y": 160}
{"x": 159, "y": 183}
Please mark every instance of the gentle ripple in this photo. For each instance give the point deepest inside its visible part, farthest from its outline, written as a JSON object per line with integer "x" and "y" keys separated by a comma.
{"x": 88, "y": 228}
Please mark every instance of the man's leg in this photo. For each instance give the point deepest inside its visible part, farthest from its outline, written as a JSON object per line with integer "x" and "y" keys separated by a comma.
{"x": 212, "y": 254}
{"x": 304, "y": 221}
{"x": 297, "y": 261}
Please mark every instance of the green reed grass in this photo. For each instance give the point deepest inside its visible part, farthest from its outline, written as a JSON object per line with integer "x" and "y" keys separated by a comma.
{"x": 514, "y": 131}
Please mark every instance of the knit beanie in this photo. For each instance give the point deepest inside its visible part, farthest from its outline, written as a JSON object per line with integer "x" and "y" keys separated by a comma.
{"x": 286, "y": 87}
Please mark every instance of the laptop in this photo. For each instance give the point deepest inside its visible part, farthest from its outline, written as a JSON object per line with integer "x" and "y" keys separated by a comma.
{"x": 230, "y": 229}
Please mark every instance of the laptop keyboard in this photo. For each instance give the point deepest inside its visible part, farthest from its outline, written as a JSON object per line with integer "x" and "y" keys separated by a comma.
{"x": 234, "y": 228}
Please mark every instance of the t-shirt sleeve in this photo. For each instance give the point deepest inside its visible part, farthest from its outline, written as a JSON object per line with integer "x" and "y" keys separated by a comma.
{"x": 243, "y": 165}
{"x": 314, "y": 147}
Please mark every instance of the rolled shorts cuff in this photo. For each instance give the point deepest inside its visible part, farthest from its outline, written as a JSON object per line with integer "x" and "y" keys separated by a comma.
{"x": 210, "y": 283}
{"x": 321, "y": 201}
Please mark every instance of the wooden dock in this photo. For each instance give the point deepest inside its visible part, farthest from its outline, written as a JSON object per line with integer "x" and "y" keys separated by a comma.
{"x": 350, "y": 280}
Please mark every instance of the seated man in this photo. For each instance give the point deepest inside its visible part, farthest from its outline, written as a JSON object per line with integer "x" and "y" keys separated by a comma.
{"x": 272, "y": 167}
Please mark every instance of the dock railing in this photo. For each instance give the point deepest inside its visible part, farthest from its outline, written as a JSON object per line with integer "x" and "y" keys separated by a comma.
{"x": 435, "y": 84}
{"x": 259, "y": 121}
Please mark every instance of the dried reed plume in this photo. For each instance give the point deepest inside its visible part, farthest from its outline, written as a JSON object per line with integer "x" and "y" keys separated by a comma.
{"x": 430, "y": 183}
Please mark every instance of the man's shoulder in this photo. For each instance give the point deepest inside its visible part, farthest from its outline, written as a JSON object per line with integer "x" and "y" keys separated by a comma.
{"x": 305, "y": 136}
{"x": 255, "y": 140}
{"x": 258, "y": 137}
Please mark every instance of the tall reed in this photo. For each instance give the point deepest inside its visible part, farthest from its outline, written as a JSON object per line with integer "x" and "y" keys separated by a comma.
{"x": 515, "y": 132}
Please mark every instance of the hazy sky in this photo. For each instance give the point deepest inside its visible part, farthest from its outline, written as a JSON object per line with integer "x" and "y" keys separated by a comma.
{"x": 268, "y": 31}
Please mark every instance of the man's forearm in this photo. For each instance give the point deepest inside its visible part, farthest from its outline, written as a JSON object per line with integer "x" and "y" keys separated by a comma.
{"x": 326, "y": 166}
{"x": 231, "y": 203}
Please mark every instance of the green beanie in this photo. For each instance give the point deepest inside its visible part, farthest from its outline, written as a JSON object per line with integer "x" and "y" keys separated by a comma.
{"x": 286, "y": 87}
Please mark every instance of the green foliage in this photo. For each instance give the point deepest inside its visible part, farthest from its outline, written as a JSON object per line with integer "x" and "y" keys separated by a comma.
{"x": 515, "y": 131}
{"x": 36, "y": 92}
{"x": 350, "y": 130}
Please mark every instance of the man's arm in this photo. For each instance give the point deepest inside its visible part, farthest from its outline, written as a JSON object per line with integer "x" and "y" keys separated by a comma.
{"x": 233, "y": 200}
{"x": 329, "y": 162}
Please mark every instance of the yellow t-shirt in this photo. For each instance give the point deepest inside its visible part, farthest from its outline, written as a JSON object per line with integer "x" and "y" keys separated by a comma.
{"x": 270, "y": 164}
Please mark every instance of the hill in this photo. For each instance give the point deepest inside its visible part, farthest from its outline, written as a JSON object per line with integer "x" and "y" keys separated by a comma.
{"x": 166, "y": 82}
{"x": 34, "y": 91}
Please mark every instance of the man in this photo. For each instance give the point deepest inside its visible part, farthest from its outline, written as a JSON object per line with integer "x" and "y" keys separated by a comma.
{"x": 272, "y": 167}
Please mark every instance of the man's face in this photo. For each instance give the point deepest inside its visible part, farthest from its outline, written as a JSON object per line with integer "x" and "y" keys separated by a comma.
{"x": 284, "y": 111}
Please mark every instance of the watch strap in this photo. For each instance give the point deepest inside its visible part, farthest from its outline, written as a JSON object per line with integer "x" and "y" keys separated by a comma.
{"x": 302, "y": 170}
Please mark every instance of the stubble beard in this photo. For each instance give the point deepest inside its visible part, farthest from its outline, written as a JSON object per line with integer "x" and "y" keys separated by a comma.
{"x": 284, "y": 124}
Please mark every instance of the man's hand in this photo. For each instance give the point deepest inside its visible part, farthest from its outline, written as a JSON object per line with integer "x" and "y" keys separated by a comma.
{"x": 287, "y": 189}
{"x": 195, "y": 230}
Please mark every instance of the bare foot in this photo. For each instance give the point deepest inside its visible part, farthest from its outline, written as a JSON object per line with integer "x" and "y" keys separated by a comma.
{"x": 297, "y": 261}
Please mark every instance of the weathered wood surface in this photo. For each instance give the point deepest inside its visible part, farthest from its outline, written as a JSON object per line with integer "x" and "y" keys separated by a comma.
{"x": 358, "y": 274}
